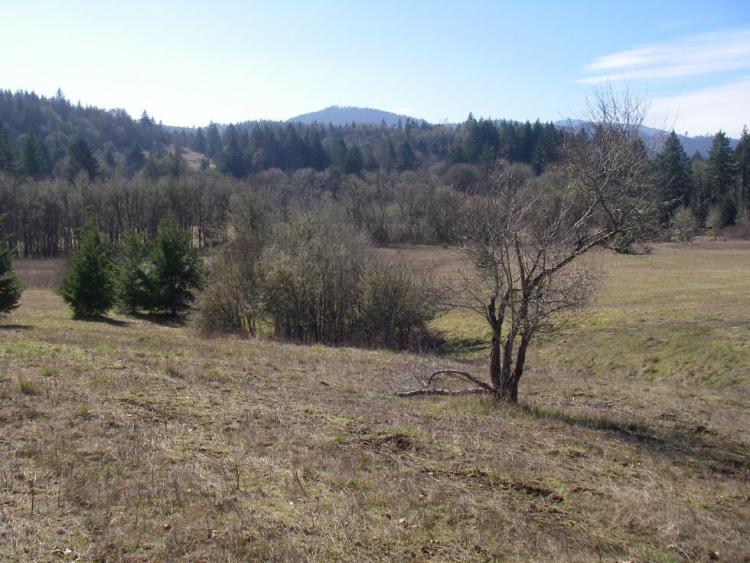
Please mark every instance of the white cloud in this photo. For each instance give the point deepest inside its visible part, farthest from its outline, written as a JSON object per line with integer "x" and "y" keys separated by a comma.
{"x": 705, "y": 111}
{"x": 693, "y": 55}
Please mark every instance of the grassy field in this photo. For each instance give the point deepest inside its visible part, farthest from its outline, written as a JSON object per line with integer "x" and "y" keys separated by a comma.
{"x": 134, "y": 439}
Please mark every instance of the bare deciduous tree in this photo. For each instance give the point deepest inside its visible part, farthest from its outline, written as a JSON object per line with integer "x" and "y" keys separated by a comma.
{"x": 525, "y": 241}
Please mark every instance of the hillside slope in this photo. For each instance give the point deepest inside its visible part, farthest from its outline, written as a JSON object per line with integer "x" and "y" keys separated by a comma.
{"x": 137, "y": 440}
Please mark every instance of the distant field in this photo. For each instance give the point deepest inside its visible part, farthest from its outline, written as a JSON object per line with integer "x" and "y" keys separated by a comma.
{"x": 132, "y": 440}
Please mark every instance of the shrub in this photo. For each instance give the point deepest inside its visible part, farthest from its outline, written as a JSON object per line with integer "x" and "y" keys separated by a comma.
{"x": 232, "y": 300}
{"x": 88, "y": 287}
{"x": 318, "y": 281}
{"x": 683, "y": 225}
{"x": 715, "y": 221}
{"x": 312, "y": 270}
{"x": 394, "y": 306}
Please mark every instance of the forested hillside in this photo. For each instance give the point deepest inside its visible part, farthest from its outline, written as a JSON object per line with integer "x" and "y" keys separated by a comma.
{"x": 60, "y": 162}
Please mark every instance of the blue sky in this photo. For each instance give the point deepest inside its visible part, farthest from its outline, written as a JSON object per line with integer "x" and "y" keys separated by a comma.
{"x": 190, "y": 62}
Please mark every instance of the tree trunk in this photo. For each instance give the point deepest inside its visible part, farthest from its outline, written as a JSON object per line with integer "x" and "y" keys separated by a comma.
{"x": 495, "y": 367}
{"x": 508, "y": 389}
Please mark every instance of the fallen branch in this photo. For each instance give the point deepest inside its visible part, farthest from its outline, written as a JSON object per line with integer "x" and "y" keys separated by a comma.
{"x": 481, "y": 388}
{"x": 459, "y": 373}
{"x": 438, "y": 391}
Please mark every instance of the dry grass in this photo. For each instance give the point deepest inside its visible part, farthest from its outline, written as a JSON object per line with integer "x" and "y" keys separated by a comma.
{"x": 147, "y": 443}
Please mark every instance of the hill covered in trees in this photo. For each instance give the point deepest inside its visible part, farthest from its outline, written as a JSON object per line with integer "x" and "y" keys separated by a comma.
{"x": 395, "y": 181}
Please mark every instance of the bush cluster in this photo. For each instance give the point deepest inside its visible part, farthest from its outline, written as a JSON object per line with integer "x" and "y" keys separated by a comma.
{"x": 314, "y": 279}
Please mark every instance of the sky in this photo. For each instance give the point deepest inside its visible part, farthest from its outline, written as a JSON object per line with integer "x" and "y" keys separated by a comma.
{"x": 191, "y": 62}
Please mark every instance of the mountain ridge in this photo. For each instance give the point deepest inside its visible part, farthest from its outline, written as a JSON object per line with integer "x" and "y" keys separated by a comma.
{"x": 345, "y": 115}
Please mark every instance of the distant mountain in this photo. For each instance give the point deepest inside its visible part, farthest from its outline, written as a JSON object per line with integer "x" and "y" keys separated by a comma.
{"x": 338, "y": 115}
{"x": 699, "y": 143}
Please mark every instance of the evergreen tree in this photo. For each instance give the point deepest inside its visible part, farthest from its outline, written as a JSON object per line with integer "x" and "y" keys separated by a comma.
{"x": 10, "y": 288}
{"x": 81, "y": 159}
{"x": 132, "y": 283}
{"x": 354, "y": 161}
{"x": 318, "y": 158}
{"x": 7, "y": 151}
{"x": 146, "y": 120}
{"x": 213, "y": 141}
{"x": 405, "y": 157}
{"x": 742, "y": 156}
{"x": 32, "y": 159}
{"x": 199, "y": 141}
{"x": 176, "y": 269}
{"x": 135, "y": 159}
{"x": 176, "y": 165}
{"x": 231, "y": 160}
{"x": 721, "y": 172}
{"x": 88, "y": 285}
{"x": 673, "y": 175}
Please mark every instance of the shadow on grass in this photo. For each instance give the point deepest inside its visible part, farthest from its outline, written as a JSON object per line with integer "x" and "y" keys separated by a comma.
{"x": 15, "y": 327}
{"x": 463, "y": 347}
{"x": 103, "y": 320}
{"x": 681, "y": 444}
{"x": 162, "y": 319}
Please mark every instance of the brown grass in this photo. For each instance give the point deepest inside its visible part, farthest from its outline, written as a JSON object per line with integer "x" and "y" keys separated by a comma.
{"x": 148, "y": 443}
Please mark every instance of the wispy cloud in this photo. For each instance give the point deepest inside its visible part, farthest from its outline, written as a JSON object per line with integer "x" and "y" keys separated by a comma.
{"x": 706, "y": 110}
{"x": 693, "y": 55}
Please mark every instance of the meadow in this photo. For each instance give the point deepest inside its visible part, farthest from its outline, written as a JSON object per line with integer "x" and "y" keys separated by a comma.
{"x": 135, "y": 439}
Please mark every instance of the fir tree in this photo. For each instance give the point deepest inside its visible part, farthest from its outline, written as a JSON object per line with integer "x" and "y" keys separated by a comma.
{"x": 146, "y": 120}
{"x": 721, "y": 170}
{"x": 213, "y": 141}
{"x": 742, "y": 156}
{"x": 199, "y": 141}
{"x": 88, "y": 286}
{"x": 176, "y": 165}
{"x": 32, "y": 160}
{"x": 7, "y": 152}
{"x": 132, "y": 283}
{"x": 232, "y": 161}
{"x": 81, "y": 159}
{"x": 135, "y": 159}
{"x": 673, "y": 175}
{"x": 176, "y": 269}
{"x": 405, "y": 157}
{"x": 10, "y": 288}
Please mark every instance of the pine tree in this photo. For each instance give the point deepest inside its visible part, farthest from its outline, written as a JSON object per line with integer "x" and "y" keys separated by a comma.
{"x": 199, "y": 141}
{"x": 742, "y": 156}
{"x": 405, "y": 157}
{"x": 176, "y": 269}
{"x": 7, "y": 152}
{"x": 721, "y": 172}
{"x": 135, "y": 159}
{"x": 10, "y": 288}
{"x": 32, "y": 160}
{"x": 176, "y": 165}
{"x": 81, "y": 159}
{"x": 213, "y": 141}
{"x": 673, "y": 175}
{"x": 146, "y": 120}
{"x": 88, "y": 286}
{"x": 231, "y": 160}
{"x": 132, "y": 283}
